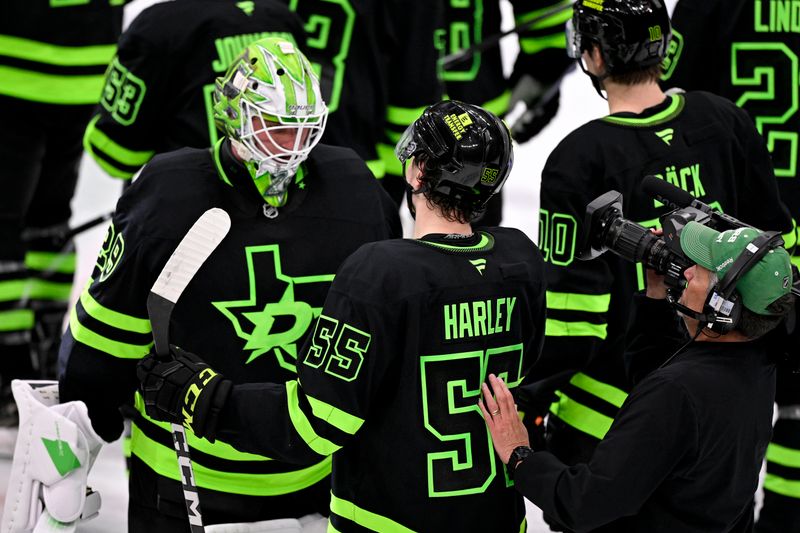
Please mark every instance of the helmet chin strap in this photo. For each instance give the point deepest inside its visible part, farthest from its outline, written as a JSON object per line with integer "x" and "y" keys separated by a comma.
{"x": 597, "y": 81}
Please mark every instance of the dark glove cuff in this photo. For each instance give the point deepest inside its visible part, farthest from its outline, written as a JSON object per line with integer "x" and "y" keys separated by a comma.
{"x": 218, "y": 397}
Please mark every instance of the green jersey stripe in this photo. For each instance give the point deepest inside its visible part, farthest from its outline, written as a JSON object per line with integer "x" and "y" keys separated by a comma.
{"x": 302, "y": 425}
{"x": 93, "y": 340}
{"x": 534, "y": 45}
{"x": 566, "y": 301}
{"x": 51, "y": 54}
{"x": 403, "y": 116}
{"x": 164, "y": 462}
{"x": 377, "y": 167}
{"x": 580, "y": 417}
{"x": 783, "y": 456}
{"x": 555, "y": 21}
{"x": 784, "y": 487}
{"x": 559, "y": 328}
{"x": 364, "y": 518}
{"x": 499, "y": 104}
{"x": 391, "y": 164}
{"x": 63, "y": 263}
{"x": 125, "y": 156}
{"x": 113, "y": 318}
{"x": 218, "y": 448}
{"x": 335, "y": 416}
{"x": 50, "y": 88}
{"x": 50, "y": 290}
{"x": 609, "y": 393}
{"x": 14, "y": 289}
{"x": 16, "y": 320}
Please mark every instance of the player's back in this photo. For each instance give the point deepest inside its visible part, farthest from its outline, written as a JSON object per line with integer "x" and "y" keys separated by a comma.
{"x": 746, "y": 51}
{"x": 159, "y": 88}
{"x": 698, "y": 142}
{"x": 452, "y": 310}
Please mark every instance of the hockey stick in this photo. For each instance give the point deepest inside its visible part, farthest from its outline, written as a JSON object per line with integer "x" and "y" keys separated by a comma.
{"x": 195, "y": 247}
{"x": 453, "y": 59}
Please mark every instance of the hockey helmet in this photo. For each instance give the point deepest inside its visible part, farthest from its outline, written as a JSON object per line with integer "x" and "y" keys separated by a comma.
{"x": 269, "y": 104}
{"x": 631, "y": 34}
{"x": 467, "y": 151}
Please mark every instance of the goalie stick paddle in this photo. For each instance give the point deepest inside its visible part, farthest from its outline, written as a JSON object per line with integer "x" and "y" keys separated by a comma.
{"x": 193, "y": 250}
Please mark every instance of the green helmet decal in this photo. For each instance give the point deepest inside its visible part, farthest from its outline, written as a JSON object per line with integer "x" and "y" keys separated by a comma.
{"x": 269, "y": 104}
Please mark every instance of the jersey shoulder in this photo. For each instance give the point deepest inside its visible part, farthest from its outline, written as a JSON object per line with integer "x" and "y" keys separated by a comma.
{"x": 172, "y": 191}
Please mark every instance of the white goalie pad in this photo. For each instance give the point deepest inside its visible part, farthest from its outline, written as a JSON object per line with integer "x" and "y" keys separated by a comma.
{"x": 313, "y": 523}
{"x": 56, "y": 447}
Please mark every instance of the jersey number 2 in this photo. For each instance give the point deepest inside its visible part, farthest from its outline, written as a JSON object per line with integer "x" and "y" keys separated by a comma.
{"x": 776, "y": 68}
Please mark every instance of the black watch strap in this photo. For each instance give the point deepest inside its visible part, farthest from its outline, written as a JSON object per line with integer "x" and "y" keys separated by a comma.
{"x": 517, "y": 456}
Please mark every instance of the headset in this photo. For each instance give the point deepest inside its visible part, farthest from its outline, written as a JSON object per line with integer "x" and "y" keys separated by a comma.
{"x": 722, "y": 309}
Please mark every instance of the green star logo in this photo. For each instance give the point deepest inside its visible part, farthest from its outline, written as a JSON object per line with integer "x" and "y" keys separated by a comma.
{"x": 271, "y": 319}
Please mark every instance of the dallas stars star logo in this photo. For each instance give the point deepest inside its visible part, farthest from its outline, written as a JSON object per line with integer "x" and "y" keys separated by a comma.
{"x": 271, "y": 320}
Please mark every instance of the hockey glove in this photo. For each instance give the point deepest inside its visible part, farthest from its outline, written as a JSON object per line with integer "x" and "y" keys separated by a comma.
{"x": 541, "y": 107}
{"x": 184, "y": 390}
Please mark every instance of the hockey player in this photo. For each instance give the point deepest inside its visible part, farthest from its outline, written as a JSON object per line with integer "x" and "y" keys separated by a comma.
{"x": 480, "y": 79}
{"x": 52, "y": 57}
{"x": 756, "y": 44}
{"x": 685, "y": 451}
{"x": 298, "y": 209}
{"x": 159, "y": 87}
{"x": 377, "y": 69}
{"x": 696, "y": 141}
{"x": 391, "y": 376}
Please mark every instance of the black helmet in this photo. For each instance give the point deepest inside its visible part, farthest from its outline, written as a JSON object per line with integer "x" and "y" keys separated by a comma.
{"x": 467, "y": 151}
{"x": 632, "y": 34}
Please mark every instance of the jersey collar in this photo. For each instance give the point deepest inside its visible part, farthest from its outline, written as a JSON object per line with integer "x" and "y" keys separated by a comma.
{"x": 477, "y": 242}
{"x": 667, "y": 110}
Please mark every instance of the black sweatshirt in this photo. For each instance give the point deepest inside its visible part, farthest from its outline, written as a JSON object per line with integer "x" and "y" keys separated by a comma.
{"x": 684, "y": 453}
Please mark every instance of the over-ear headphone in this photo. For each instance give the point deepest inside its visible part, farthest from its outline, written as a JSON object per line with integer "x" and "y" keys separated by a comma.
{"x": 722, "y": 309}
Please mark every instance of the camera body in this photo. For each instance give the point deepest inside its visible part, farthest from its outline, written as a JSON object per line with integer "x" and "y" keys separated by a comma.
{"x": 606, "y": 229}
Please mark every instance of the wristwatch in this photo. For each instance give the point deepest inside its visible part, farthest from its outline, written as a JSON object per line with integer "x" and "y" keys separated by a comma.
{"x": 517, "y": 456}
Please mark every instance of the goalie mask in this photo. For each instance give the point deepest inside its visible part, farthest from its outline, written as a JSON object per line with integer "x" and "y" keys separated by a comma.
{"x": 269, "y": 105}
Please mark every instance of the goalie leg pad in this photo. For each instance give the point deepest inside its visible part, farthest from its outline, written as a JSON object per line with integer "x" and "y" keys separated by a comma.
{"x": 55, "y": 450}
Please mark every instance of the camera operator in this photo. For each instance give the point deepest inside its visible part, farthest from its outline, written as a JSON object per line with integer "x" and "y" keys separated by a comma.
{"x": 700, "y": 142}
{"x": 685, "y": 450}
{"x": 738, "y": 35}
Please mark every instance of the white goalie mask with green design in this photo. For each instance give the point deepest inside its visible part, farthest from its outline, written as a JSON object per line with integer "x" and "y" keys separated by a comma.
{"x": 269, "y": 105}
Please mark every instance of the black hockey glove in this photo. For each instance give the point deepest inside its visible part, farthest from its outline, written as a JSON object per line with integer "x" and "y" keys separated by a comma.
{"x": 541, "y": 107}
{"x": 183, "y": 389}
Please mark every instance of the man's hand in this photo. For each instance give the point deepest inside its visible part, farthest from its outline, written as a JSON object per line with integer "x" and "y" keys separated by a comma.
{"x": 501, "y": 417}
{"x": 184, "y": 390}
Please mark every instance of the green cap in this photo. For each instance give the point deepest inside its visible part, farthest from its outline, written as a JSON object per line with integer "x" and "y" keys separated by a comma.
{"x": 767, "y": 281}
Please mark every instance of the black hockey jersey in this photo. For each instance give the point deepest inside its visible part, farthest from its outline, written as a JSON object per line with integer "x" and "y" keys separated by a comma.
{"x": 480, "y": 79}
{"x": 158, "y": 89}
{"x": 698, "y": 142}
{"x": 248, "y": 309}
{"x": 55, "y": 51}
{"x": 746, "y": 51}
{"x": 391, "y": 377}
{"x": 377, "y": 62}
